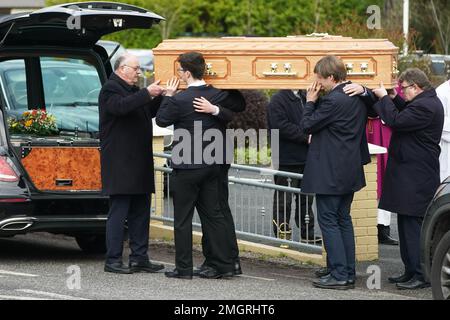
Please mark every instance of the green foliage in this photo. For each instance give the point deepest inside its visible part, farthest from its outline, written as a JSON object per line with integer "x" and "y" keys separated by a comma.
{"x": 253, "y": 156}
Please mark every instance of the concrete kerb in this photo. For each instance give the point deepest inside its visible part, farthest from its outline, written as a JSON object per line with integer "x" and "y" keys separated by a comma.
{"x": 160, "y": 231}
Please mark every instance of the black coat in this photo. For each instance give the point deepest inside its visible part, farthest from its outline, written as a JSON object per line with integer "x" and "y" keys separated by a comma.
{"x": 285, "y": 113}
{"x": 338, "y": 148}
{"x": 126, "y": 135}
{"x": 179, "y": 111}
{"x": 412, "y": 171}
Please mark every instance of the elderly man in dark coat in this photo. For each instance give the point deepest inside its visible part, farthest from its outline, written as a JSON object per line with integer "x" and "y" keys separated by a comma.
{"x": 412, "y": 172}
{"x": 126, "y": 114}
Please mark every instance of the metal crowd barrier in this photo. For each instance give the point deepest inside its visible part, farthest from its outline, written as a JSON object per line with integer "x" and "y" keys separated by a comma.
{"x": 251, "y": 197}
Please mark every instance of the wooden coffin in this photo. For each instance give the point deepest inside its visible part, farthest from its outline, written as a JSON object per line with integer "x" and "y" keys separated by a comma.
{"x": 280, "y": 63}
{"x": 63, "y": 168}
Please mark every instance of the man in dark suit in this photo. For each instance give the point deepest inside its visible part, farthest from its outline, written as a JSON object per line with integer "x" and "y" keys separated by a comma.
{"x": 224, "y": 111}
{"x": 334, "y": 166}
{"x": 126, "y": 114}
{"x": 412, "y": 171}
{"x": 284, "y": 113}
{"x": 196, "y": 178}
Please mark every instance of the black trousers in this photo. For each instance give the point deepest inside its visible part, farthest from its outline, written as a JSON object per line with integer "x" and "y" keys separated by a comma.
{"x": 135, "y": 210}
{"x": 333, "y": 214}
{"x": 409, "y": 229}
{"x": 225, "y": 207}
{"x": 198, "y": 188}
{"x": 282, "y": 204}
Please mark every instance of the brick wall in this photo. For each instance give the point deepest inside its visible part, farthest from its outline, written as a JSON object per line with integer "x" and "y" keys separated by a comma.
{"x": 364, "y": 216}
{"x": 158, "y": 197}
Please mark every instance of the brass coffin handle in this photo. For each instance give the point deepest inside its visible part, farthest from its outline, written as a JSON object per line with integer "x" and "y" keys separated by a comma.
{"x": 209, "y": 71}
{"x": 274, "y": 71}
{"x": 364, "y": 67}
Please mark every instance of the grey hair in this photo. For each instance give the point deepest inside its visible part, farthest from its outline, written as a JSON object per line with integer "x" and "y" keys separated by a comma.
{"x": 416, "y": 76}
{"x": 120, "y": 61}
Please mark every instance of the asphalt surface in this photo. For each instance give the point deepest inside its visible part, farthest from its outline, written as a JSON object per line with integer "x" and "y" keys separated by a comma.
{"x": 45, "y": 266}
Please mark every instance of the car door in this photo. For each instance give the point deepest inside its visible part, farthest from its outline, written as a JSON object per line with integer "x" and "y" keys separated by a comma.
{"x": 73, "y": 25}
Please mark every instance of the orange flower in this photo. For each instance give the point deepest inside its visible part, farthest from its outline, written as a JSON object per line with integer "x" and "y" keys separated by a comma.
{"x": 28, "y": 123}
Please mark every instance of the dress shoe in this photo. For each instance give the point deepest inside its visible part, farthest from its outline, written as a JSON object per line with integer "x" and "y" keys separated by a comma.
{"x": 384, "y": 236}
{"x": 212, "y": 273}
{"x": 237, "y": 267}
{"x": 199, "y": 269}
{"x": 321, "y": 272}
{"x": 403, "y": 278}
{"x": 413, "y": 284}
{"x": 350, "y": 282}
{"x": 117, "y": 267}
{"x": 331, "y": 283}
{"x": 145, "y": 266}
{"x": 177, "y": 274}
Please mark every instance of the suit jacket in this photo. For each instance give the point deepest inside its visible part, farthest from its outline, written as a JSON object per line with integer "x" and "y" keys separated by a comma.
{"x": 412, "y": 172}
{"x": 126, "y": 138}
{"x": 285, "y": 113}
{"x": 338, "y": 148}
{"x": 179, "y": 111}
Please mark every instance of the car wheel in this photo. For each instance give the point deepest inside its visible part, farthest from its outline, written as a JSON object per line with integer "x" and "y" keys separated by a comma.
{"x": 440, "y": 269}
{"x": 93, "y": 243}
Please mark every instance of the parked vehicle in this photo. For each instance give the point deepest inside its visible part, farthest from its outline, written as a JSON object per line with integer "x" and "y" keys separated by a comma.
{"x": 435, "y": 242}
{"x": 113, "y": 49}
{"x": 52, "y": 183}
{"x": 145, "y": 57}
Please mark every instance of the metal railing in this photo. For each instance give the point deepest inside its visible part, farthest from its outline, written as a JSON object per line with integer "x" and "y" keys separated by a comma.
{"x": 252, "y": 193}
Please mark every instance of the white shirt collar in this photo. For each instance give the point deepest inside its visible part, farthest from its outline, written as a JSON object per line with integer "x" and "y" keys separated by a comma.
{"x": 197, "y": 83}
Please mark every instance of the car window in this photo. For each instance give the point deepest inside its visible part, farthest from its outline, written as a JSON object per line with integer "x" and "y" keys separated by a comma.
{"x": 71, "y": 89}
{"x": 14, "y": 84}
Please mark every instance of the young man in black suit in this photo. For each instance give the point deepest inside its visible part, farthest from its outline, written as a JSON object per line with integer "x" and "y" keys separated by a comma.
{"x": 196, "y": 179}
{"x": 334, "y": 166}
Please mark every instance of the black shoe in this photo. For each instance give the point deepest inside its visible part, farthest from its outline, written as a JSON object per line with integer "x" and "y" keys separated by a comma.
{"x": 322, "y": 272}
{"x": 117, "y": 267}
{"x": 199, "y": 269}
{"x": 384, "y": 236}
{"x": 177, "y": 274}
{"x": 237, "y": 267}
{"x": 331, "y": 283}
{"x": 413, "y": 284}
{"x": 212, "y": 273}
{"x": 145, "y": 266}
{"x": 400, "y": 279}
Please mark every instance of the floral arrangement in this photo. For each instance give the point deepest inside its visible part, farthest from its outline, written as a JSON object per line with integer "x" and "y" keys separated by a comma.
{"x": 36, "y": 121}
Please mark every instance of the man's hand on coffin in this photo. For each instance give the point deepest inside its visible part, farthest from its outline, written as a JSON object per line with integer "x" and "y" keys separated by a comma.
{"x": 312, "y": 93}
{"x": 172, "y": 87}
{"x": 381, "y": 91}
{"x": 204, "y": 106}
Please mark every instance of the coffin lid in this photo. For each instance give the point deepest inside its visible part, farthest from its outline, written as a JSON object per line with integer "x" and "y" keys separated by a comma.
{"x": 274, "y": 45}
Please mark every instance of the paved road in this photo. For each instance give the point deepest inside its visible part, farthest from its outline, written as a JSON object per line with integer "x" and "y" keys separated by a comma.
{"x": 44, "y": 266}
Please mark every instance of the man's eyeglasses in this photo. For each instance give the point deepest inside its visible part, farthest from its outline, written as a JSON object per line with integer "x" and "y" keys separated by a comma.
{"x": 406, "y": 87}
{"x": 134, "y": 68}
